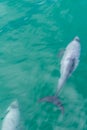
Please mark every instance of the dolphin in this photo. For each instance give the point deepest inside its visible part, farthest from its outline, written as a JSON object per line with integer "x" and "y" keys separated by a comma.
{"x": 69, "y": 63}
{"x": 11, "y": 120}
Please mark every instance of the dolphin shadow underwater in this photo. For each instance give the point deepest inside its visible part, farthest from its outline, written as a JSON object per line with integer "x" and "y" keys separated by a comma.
{"x": 69, "y": 63}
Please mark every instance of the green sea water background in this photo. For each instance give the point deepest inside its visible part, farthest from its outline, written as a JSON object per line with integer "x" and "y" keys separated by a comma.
{"x": 32, "y": 32}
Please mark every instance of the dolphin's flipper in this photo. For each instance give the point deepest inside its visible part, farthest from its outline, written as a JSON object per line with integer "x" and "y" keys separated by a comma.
{"x": 54, "y": 100}
{"x": 61, "y": 53}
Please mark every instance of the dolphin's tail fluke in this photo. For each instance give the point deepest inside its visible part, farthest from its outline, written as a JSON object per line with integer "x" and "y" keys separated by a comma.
{"x": 54, "y": 100}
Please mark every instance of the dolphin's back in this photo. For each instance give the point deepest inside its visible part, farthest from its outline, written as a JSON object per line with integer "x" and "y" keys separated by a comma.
{"x": 11, "y": 120}
{"x": 72, "y": 52}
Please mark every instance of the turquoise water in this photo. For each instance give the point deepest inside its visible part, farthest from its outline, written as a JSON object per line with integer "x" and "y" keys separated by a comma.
{"x": 32, "y": 32}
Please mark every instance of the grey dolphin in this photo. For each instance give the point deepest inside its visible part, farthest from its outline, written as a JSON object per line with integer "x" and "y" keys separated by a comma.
{"x": 11, "y": 120}
{"x": 69, "y": 63}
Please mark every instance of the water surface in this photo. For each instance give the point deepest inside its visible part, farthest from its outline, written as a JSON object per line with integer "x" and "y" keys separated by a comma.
{"x": 31, "y": 34}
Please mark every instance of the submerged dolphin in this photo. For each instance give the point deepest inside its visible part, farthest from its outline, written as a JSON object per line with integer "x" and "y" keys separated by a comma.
{"x": 11, "y": 120}
{"x": 69, "y": 63}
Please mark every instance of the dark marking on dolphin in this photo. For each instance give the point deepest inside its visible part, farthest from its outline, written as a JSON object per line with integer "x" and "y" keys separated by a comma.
{"x": 71, "y": 66}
